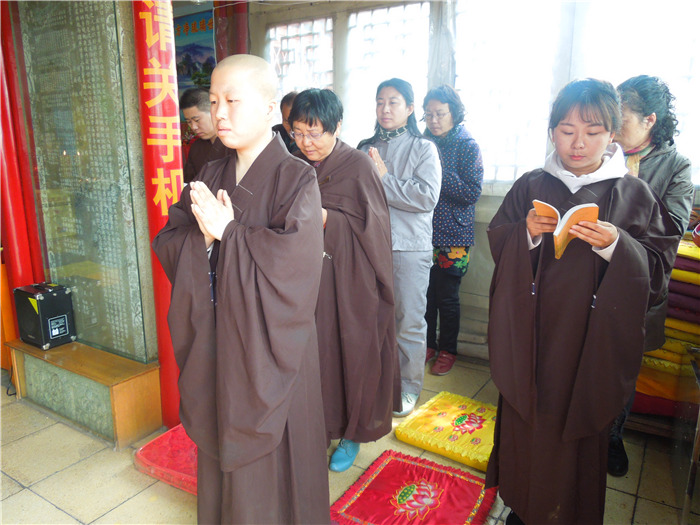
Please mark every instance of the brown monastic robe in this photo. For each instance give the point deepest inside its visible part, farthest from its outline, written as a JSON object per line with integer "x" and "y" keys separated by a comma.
{"x": 201, "y": 152}
{"x": 360, "y": 373}
{"x": 249, "y": 372}
{"x": 565, "y": 343}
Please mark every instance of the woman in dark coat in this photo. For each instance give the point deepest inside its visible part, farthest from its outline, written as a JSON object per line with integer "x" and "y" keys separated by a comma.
{"x": 648, "y": 127}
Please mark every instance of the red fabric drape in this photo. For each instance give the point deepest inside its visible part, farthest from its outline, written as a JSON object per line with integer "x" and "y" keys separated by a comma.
{"x": 230, "y": 28}
{"x": 20, "y": 238}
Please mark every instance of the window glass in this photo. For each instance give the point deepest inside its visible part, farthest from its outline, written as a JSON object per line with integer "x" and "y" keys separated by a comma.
{"x": 617, "y": 43}
{"x": 302, "y": 54}
{"x": 382, "y": 44}
{"x": 509, "y": 72}
{"x": 504, "y": 77}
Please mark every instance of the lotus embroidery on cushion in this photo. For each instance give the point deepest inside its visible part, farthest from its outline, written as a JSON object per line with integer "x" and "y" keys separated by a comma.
{"x": 416, "y": 499}
{"x": 468, "y": 423}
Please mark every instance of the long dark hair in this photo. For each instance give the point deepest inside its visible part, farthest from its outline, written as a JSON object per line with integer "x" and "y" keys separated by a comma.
{"x": 644, "y": 95}
{"x": 406, "y": 91}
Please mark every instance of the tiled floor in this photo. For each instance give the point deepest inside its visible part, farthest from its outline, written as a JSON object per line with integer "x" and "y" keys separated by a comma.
{"x": 54, "y": 473}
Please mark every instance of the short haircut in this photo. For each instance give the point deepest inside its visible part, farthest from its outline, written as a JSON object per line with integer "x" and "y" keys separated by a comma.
{"x": 644, "y": 95}
{"x": 446, "y": 94}
{"x": 288, "y": 99}
{"x": 317, "y": 105}
{"x": 596, "y": 100}
{"x": 195, "y": 97}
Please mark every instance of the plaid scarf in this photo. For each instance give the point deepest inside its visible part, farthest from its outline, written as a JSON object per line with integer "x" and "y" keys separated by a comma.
{"x": 386, "y": 136}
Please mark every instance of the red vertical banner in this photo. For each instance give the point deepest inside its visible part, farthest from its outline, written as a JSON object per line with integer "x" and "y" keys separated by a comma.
{"x": 162, "y": 163}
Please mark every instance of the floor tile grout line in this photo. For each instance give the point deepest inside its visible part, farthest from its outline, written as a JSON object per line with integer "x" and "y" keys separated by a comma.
{"x": 641, "y": 470}
{"x": 621, "y": 491}
{"x": 471, "y": 366}
{"x": 106, "y": 447}
{"x": 63, "y": 469}
{"x": 482, "y": 387}
{"x": 3, "y": 443}
{"x": 64, "y": 511}
{"x": 58, "y": 418}
{"x": 16, "y": 481}
{"x": 659, "y": 503}
{"x": 639, "y": 481}
{"x": 154, "y": 482}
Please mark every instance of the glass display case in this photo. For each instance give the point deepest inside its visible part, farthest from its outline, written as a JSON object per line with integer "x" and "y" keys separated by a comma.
{"x": 87, "y": 202}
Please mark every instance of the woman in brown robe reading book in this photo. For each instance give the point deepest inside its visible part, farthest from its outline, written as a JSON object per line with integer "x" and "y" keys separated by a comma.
{"x": 565, "y": 335}
{"x": 360, "y": 374}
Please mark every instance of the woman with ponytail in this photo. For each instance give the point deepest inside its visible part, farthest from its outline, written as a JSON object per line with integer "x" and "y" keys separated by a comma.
{"x": 410, "y": 172}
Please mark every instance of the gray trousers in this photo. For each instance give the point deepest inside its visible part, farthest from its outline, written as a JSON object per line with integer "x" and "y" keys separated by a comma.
{"x": 411, "y": 277}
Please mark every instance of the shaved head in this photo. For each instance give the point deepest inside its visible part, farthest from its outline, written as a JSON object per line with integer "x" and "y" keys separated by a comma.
{"x": 258, "y": 72}
{"x": 243, "y": 97}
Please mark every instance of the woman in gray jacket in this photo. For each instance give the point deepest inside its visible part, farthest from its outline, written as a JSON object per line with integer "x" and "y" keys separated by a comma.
{"x": 648, "y": 127}
{"x": 409, "y": 167}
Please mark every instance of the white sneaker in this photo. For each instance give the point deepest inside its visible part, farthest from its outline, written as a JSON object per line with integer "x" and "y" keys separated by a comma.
{"x": 408, "y": 403}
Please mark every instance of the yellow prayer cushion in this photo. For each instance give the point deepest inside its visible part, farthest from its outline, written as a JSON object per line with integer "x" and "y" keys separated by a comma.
{"x": 453, "y": 426}
{"x": 655, "y": 383}
{"x": 677, "y": 346}
{"x": 684, "y": 326}
{"x": 685, "y": 276}
{"x": 688, "y": 249}
{"x": 668, "y": 367}
{"x": 680, "y": 335}
{"x": 669, "y": 355}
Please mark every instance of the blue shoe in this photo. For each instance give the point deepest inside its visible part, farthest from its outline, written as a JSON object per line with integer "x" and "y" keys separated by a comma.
{"x": 344, "y": 456}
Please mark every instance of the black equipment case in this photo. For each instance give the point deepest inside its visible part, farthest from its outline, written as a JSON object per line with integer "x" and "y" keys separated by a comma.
{"x": 45, "y": 315}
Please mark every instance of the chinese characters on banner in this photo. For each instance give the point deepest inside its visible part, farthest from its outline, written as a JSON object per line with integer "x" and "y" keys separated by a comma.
{"x": 159, "y": 103}
{"x": 196, "y": 26}
{"x": 162, "y": 163}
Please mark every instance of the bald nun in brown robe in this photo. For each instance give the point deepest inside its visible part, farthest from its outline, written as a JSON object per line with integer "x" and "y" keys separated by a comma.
{"x": 242, "y": 315}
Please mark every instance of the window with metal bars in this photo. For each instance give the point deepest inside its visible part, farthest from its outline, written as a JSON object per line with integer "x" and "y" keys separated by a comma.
{"x": 302, "y": 53}
{"x": 382, "y": 44}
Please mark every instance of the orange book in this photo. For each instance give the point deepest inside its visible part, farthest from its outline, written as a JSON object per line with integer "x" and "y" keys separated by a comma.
{"x": 562, "y": 237}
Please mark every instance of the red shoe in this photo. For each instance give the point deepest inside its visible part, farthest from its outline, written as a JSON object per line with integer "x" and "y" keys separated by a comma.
{"x": 444, "y": 363}
{"x": 429, "y": 354}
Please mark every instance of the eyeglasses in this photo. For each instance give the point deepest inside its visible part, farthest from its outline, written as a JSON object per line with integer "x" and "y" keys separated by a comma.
{"x": 311, "y": 136}
{"x": 436, "y": 116}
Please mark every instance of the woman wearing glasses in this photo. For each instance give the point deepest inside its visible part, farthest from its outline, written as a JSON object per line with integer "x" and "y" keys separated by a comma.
{"x": 453, "y": 220}
{"x": 360, "y": 378}
{"x": 409, "y": 167}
